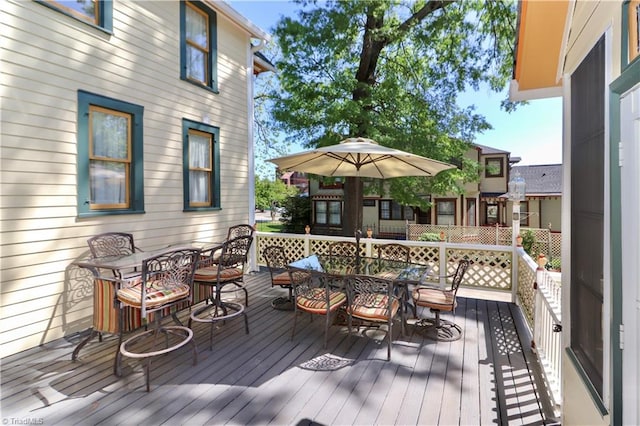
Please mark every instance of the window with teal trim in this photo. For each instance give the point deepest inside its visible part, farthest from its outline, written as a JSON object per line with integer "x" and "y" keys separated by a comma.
{"x": 94, "y": 12}
{"x": 198, "y": 45}
{"x": 201, "y": 166}
{"x": 110, "y": 167}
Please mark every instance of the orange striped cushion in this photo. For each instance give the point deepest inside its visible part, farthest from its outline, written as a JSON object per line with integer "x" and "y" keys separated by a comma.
{"x": 282, "y": 278}
{"x": 316, "y": 301}
{"x": 373, "y": 307}
{"x": 158, "y": 293}
{"x": 434, "y": 298}
{"x": 210, "y": 273}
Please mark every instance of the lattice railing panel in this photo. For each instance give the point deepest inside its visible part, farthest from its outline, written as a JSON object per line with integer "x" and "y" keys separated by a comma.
{"x": 488, "y": 269}
{"x": 293, "y": 247}
{"x": 526, "y": 288}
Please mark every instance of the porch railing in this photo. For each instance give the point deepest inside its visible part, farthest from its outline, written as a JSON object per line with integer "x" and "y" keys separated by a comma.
{"x": 539, "y": 299}
{"x": 537, "y": 291}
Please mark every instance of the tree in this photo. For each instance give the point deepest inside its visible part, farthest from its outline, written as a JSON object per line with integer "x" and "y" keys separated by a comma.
{"x": 391, "y": 71}
{"x": 268, "y": 192}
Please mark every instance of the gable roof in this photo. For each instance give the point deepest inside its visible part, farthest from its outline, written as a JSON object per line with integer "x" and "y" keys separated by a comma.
{"x": 487, "y": 150}
{"x": 544, "y": 180}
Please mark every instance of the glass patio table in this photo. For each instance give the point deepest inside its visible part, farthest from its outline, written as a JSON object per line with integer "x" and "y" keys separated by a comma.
{"x": 338, "y": 268}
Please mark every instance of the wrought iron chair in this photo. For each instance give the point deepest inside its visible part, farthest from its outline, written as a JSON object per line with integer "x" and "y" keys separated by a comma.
{"x": 235, "y": 231}
{"x": 394, "y": 251}
{"x": 225, "y": 269}
{"x": 277, "y": 263}
{"x": 373, "y": 300}
{"x": 441, "y": 300}
{"x": 315, "y": 297}
{"x": 113, "y": 244}
{"x": 242, "y": 230}
{"x": 343, "y": 249}
{"x": 166, "y": 280}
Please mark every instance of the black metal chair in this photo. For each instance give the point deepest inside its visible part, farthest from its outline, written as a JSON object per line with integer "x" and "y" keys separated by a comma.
{"x": 373, "y": 300}
{"x": 316, "y": 297}
{"x": 277, "y": 263}
{"x": 441, "y": 300}
{"x": 394, "y": 251}
{"x": 166, "y": 280}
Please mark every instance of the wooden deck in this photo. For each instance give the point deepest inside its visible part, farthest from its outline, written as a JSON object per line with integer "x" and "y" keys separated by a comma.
{"x": 488, "y": 377}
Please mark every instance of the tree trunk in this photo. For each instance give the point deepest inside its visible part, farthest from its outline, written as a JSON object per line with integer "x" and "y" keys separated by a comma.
{"x": 352, "y": 214}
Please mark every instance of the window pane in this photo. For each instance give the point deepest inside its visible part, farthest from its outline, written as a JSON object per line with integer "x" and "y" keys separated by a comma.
{"x": 385, "y": 210}
{"x": 197, "y": 28}
{"x": 196, "y": 64}
{"x": 109, "y": 134}
{"x": 85, "y": 9}
{"x": 408, "y": 213}
{"x": 108, "y": 182}
{"x": 334, "y": 213}
{"x": 199, "y": 187}
{"x": 321, "y": 212}
{"x": 199, "y": 151}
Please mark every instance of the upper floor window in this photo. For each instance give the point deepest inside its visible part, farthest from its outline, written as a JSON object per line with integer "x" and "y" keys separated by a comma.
{"x": 494, "y": 167}
{"x": 390, "y": 210}
{"x": 95, "y": 12}
{"x": 198, "y": 44}
{"x": 632, "y": 12}
{"x": 201, "y": 145}
{"x": 110, "y": 177}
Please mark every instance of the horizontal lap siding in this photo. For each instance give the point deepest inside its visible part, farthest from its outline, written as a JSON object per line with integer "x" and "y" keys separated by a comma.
{"x": 47, "y": 57}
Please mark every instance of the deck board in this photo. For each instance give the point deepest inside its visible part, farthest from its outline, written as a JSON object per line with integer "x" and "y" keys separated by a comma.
{"x": 266, "y": 377}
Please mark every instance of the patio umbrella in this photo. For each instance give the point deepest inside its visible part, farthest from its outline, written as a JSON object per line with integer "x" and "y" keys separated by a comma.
{"x": 360, "y": 157}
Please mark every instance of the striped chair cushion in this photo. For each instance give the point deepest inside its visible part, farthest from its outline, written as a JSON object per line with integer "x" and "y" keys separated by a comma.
{"x": 210, "y": 274}
{"x": 282, "y": 278}
{"x": 373, "y": 307}
{"x": 158, "y": 293}
{"x": 434, "y": 298}
{"x": 315, "y": 301}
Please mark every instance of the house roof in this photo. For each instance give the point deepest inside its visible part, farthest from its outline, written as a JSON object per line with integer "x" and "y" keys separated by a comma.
{"x": 541, "y": 36}
{"x": 542, "y": 180}
{"x": 239, "y": 19}
{"x": 487, "y": 150}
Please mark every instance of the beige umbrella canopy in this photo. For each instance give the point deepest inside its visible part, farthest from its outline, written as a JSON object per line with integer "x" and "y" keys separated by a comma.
{"x": 360, "y": 157}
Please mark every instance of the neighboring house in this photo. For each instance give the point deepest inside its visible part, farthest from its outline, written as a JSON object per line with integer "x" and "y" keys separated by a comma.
{"x": 588, "y": 53}
{"x": 125, "y": 116}
{"x": 542, "y": 206}
{"x": 297, "y": 179}
{"x": 482, "y": 204}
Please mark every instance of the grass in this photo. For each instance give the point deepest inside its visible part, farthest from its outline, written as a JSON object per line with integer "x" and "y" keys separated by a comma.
{"x": 273, "y": 226}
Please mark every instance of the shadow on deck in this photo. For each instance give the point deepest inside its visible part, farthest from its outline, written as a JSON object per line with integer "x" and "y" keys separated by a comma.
{"x": 488, "y": 377}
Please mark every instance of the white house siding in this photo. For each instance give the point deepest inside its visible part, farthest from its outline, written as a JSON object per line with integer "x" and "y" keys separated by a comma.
{"x": 590, "y": 21}
{"x": 46, "y": 58}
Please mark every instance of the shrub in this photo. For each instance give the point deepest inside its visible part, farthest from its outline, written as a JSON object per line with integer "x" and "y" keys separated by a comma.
{"x": 429, "y": 236}
{"x": 528, "y": 242}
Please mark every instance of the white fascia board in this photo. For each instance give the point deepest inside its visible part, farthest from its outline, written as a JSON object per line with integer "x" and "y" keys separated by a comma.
{"x": 517, "y": 95}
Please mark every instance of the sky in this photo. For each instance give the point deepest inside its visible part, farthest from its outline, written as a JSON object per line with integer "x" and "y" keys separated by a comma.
{"x": 533, "y": 132}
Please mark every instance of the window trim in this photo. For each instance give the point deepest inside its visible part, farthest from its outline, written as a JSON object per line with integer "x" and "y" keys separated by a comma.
{"x": 136, "y": 184}
{"x": 104, "y": 21}
{"x": 214, "y": 184}
{"x": 327, "y": 223}
{"x": 630, "y": 32}
{"x": 488, "y": 173}
{"x": 212, "y": 63}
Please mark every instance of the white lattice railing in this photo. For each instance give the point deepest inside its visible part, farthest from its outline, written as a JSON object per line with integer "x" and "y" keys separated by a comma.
{"x": 546, "y": 242}
{"x": 539, "y": 297}
{"x": 491, "y": 266}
